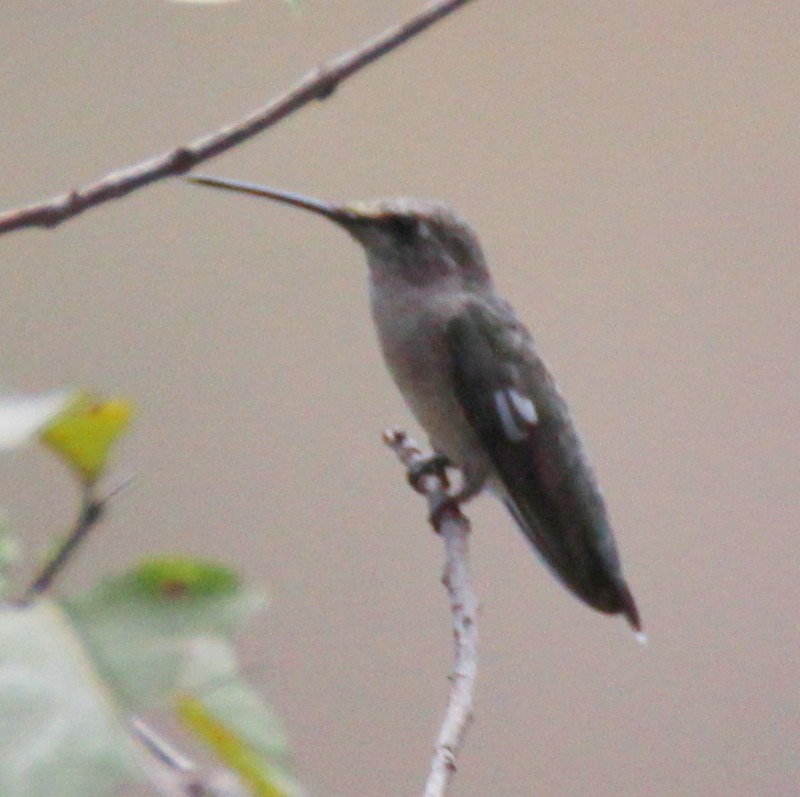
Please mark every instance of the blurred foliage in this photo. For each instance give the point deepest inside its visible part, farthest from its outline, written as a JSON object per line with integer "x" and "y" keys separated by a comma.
{"x": 234, "y": 722}
{"x": 74, "y": 672}
{"x": 175, "y": 576}
{"x": 58, "y": 722}
{"x": 149, "y": 643}
{"x": 9, "y": 553}
{"x": 23, "y": 417}
{"x": 80, "y": 428}
{"x": 84, "y": 433}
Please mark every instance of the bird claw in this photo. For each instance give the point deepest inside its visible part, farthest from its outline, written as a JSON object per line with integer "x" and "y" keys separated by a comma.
{"x": 445, "y": 506}
{"x": 434, "y": 465}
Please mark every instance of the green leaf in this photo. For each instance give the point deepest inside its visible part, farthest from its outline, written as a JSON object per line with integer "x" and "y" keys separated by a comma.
{"x": 150, "y": 630}
{"x": 58, "y": 725}
{"x": 176, "y": 576}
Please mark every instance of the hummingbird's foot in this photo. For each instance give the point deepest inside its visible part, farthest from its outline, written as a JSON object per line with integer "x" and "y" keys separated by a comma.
{"x": 434, "y": 465}
{"x": 449, "y": 501}
{"x": 445, "y": 506}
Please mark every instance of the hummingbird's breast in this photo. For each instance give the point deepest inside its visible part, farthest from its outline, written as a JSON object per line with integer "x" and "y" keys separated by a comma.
{"x": 411, "y": 327}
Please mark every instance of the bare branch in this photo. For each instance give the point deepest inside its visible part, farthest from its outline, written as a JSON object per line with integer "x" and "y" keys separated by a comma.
{"x": 91, "y": 512}
{"x": 317, "y": 85}
{"x": 454, "y": 528}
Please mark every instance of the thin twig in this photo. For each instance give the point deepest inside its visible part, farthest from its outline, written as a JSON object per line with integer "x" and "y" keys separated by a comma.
{"x": 454, "y": 529}
{"x": 92, "y": 510}
{"x": 317, "y": 85}
{"x": 176, "y": 775}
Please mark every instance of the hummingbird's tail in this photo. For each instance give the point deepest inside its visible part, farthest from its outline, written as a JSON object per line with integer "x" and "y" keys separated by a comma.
{"x": 586, "y": 563}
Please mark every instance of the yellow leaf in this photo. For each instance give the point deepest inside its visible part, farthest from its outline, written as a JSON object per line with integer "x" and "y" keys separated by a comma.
{"x": 229, "y": 747}
{"x": 84, "y": 433}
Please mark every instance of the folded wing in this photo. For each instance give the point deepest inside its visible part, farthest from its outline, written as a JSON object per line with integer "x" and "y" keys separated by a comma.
{"x": 512, "y": 402}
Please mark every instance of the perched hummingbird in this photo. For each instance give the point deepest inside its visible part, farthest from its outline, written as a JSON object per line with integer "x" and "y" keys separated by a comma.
{"x": 470, "y": 373}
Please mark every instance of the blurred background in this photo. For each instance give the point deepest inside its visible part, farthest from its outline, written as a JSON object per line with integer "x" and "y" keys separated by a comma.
{"x": 634, "y": 171}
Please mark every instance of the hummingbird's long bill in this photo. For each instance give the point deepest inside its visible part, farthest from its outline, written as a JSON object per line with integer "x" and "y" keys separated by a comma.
{"x": 333, "y": 212}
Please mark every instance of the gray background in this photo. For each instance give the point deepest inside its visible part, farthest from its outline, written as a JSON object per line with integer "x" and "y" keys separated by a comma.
{"x": 633, "y": 170}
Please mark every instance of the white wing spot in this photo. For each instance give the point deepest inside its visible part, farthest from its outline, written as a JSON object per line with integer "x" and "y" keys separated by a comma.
{"x": 511, "y": 426}
{"x": 524, "y": 406}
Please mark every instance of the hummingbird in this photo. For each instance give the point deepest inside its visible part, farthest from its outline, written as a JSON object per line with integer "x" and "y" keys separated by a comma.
{"x": 471, "y": 375}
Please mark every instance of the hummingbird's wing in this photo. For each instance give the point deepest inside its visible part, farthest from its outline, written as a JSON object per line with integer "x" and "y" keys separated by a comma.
{"x": 516, "y": 409}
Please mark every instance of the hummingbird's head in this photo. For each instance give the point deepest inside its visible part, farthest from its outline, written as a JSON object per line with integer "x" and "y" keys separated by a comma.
{"x": 421, "y": 242}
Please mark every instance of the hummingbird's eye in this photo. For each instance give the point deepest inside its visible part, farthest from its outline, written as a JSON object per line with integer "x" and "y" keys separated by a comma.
{"x": 404, "y": 228}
